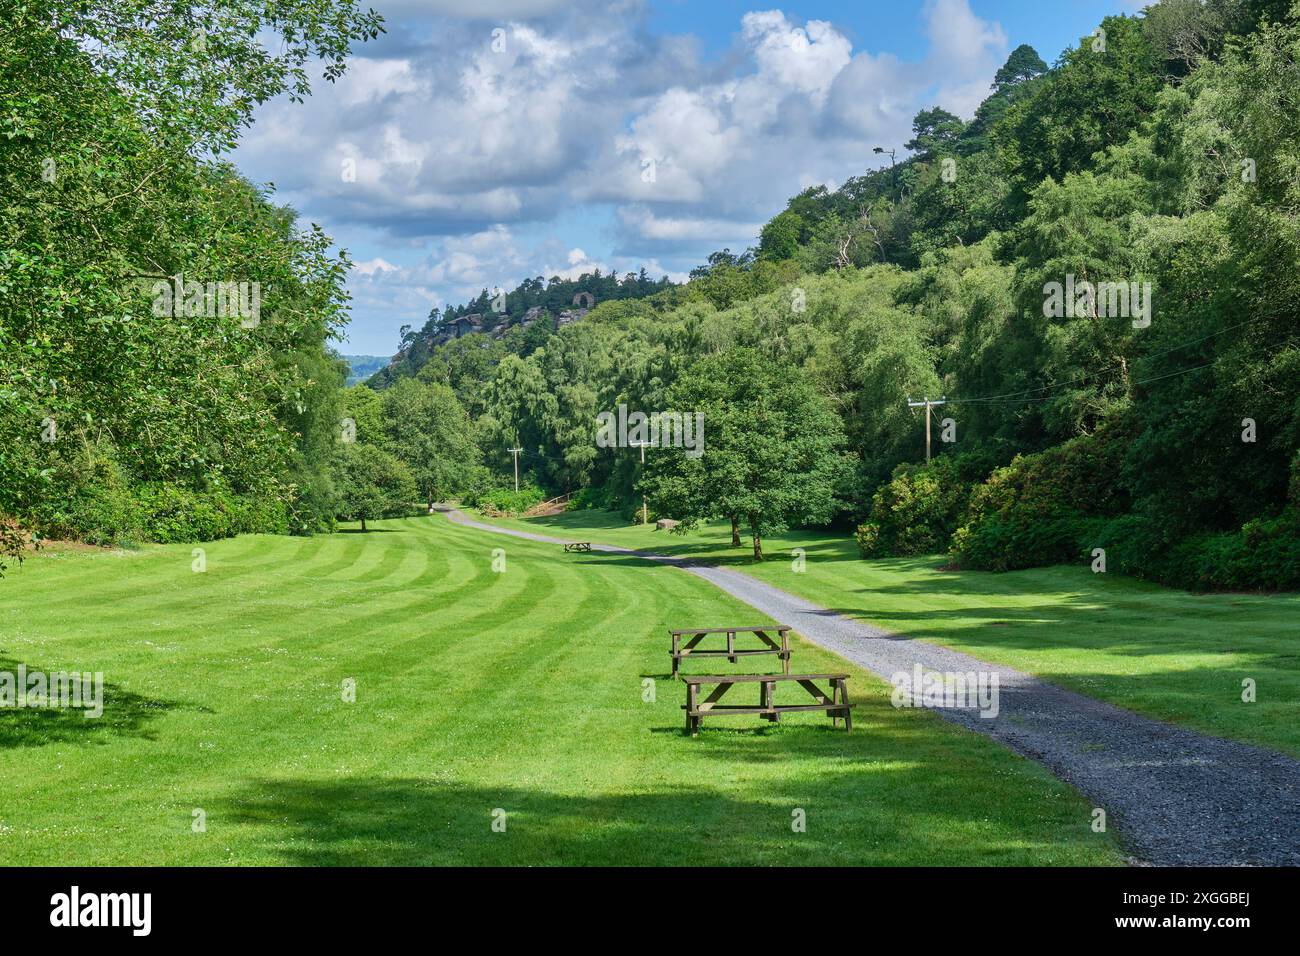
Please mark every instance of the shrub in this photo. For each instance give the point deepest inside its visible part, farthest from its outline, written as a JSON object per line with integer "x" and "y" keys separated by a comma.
{"x": 91, "y": 501}
{"x": 262, "y": 514}
{"x": 504, "y": 502}
{"x": 1044, "y": 508}
{"x": 14, "y": 541}
{"x": 1293, "y": 494}
{"x": 589, "y": 499}
{"x": 1264, "y": 555}
{"x": 916, "y": 511}
{"x": 173, "y": 513}
{"x": 868, "y": 538}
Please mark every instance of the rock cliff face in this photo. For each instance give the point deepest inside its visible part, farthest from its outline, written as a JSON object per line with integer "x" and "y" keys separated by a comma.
{"x": 495, "y": 325}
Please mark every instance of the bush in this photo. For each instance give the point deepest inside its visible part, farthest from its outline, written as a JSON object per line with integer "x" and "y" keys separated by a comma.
{"x": 504, "y": 502}
{"x": 1044, "y": 508}
{"x": 260, "y": 514}
{"x": 589, "y": 499}
{"x": 173, "y": 514}
{"x": 1264, "y": 555}
{"x": 93, "y": 502}
{"x": 1293, "y": 493}
{"x": 14, "y": 541}
{"x": 916, "y": 511}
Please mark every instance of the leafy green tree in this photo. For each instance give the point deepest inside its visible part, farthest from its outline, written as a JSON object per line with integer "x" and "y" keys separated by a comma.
{"x": 771, "y": 448}
{"x": 363, "y": 416}
{"x": 113, "y": 190}
{"x": 13, "y": 542}
{"x": 934, "y": 131}
{"x": 371, "y": 483}
{"x": 1023, "y": 65}
{"x": 780, "y": 237}
{"x": 428, "y": 430}
{"x": 1099, "y": 93}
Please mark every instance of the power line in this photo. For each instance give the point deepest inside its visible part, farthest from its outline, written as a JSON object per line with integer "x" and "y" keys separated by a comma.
{"x": 1048, "y": 398}
{"x": 996, "y": 399}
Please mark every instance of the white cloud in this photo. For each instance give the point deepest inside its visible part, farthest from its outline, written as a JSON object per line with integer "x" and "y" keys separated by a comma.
{"x": 474, "y": 9}
{"x": 805, "y": 59}
{"x": 965, "y": 52}
{"x": 453, "y": 138}
{"x": 643, "y": 222}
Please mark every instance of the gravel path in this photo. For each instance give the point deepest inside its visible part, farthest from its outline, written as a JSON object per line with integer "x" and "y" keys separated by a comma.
{"x": 1176, "y": 797}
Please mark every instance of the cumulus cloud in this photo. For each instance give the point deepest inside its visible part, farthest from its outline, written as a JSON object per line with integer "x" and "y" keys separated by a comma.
{"x": 474, "y": 121}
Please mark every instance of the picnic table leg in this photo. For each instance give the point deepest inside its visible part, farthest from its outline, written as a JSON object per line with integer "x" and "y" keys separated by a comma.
{"x": 676, "y": 650}
{"x": 692, "y": 723}
{"x": 731, "y": 646}
{"x": 844, "y": 699}
{"x": 785, "y": 651}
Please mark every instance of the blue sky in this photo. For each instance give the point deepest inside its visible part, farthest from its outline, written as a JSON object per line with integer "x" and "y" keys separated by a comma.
{"x": 481, "y": 142}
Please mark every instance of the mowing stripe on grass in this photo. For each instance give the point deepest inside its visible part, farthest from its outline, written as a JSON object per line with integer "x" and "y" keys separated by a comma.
{"x": 475, "y": 691}
{"x": 1179, "y": 797}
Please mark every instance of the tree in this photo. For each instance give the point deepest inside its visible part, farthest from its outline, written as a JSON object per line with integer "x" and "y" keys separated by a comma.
{"x": 780, "y": 237}
{"x": 1022, "y": 65}
{"x": 934, "y": 131}
{"x": 1099, "y": 93}
{"x": 13, "y": 542}
{"x": 427, "y": 429}
{"x": 770, "y": 448}
{"x": 371, "y": 483}
{"x": 363, "y": 411}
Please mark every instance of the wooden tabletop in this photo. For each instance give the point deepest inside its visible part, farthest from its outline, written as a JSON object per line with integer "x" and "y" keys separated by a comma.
{"x": 727, "y": 630}
{"x": 751, "y": 678}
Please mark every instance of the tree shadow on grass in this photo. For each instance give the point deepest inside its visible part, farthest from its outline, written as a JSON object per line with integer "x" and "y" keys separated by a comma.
{"x": 413, "y": 822}
{"x": 1076, "y": 623}
{"x": 711, "y": 554}
{"x": 125, "y": 715}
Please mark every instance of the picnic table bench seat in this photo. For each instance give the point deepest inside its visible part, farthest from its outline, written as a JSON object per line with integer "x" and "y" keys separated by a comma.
{"x": 695, "y": 635}
{"x": 835, "y": 702}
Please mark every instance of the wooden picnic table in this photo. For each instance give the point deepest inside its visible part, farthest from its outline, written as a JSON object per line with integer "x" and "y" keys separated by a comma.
{"x": 578, "y": 546}
{"x": 695, "y": 635}
{"x": 836, "y": 702}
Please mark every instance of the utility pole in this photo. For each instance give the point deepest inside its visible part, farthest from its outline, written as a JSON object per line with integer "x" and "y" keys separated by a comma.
{"x": 515, "y": 452}
{"x": 642, "y": 445}
{"x": 928, "y": 403}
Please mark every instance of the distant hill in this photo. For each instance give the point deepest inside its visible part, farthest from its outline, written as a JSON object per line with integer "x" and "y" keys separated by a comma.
{"x": 362, "y": 367}
{"x": 538, "y": 304}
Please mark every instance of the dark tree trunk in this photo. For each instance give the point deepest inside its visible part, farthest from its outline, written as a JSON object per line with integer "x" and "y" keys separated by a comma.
{"x": 758, "y": 538}
{"x": 363, "y": 522}
{"x": 735, "y": 532}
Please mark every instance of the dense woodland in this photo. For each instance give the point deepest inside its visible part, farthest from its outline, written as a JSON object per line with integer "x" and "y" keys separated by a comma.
{"x": 118, "y": 423}
{"x": 1162, "y": 150}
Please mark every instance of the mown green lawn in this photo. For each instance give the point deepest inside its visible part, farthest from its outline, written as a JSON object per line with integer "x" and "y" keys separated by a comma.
{"x": 474, "y": 691}
{"x": 1173, "y": 655}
